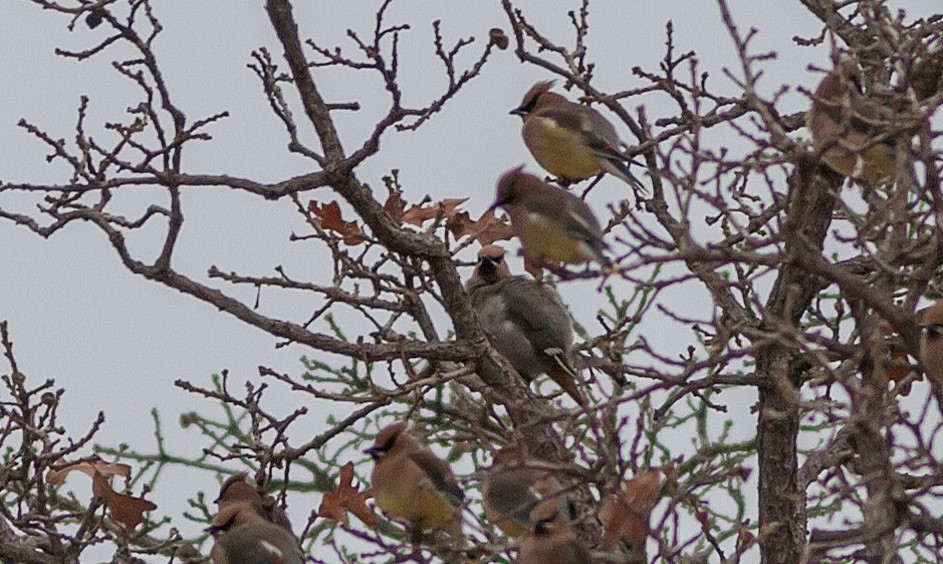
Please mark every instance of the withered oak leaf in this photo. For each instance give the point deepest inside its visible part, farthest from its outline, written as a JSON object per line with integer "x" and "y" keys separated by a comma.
{"x": 336, "y": 504}
{"x": 330, "y": 217}
{"x": 57, "y": 475}
{"x": 126, "y": 509}
{"x": 627, "y": 514}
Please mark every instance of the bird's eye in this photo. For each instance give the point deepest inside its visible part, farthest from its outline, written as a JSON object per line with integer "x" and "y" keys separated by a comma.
{"x": 544, "y": 526}
{"x": 387, "y": 444}
{"x": 223, "y": 527}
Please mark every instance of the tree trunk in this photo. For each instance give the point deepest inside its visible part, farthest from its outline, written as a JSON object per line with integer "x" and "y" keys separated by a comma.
{"x": 782, "y": 505}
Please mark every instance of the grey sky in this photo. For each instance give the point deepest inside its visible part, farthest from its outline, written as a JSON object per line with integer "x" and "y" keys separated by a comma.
{"x": 117, "y": 342}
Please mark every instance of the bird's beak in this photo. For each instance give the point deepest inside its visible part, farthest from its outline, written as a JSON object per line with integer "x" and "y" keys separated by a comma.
{"x": 517, "y": 112}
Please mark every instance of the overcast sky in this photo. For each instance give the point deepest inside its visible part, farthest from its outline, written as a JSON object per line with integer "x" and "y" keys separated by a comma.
{"x": 117, "y": 342}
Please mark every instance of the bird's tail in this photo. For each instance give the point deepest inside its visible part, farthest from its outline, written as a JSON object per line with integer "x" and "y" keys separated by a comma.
{"x": 566, "y": 377}
{"x": 599, "y": 251}
{"x": 620, "y": 169}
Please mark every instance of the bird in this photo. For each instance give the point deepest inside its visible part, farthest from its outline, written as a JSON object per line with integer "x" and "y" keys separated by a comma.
{"x": 243, "y": 536}
{"x": 517, "y": 487}
{"x": 931, "y": 341}
{"x": 852, "y": 134}
{"x": 553, "y": 542}
{"x": 926, "y": 77}
{"x": 553, "y": 225}
{"x": 237, "y": 489}
{"x": 571, "y": 141}
{"x": 412, "y": 484}
{"x": 524, "y": 320}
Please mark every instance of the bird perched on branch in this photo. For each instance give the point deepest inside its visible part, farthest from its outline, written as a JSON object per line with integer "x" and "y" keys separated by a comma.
{"x": 517, "y": 489}
{"x": 571, "y": 141}
{"x": 855, "y": 136}
{"x": 926, "y": 77}
{"x": 237, "y": 489}
{"x": 525, "y": 321}
{"x": 931, "y": 341}
{"x": 243, "y": 536}
{"x": 412, "y": 484}
{"x": 552, "y": 224}
{"x": 553, "y": 542}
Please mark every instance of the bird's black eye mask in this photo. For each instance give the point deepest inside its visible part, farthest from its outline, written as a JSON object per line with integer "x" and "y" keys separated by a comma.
{"x": 526, "y": 108}
{"x": 222, "y": 527}
{"x": 488, "y": 268}
{"x": 377, "y": 451}
{"x": 545, "y": 526}
{"x": 508, "y": 196}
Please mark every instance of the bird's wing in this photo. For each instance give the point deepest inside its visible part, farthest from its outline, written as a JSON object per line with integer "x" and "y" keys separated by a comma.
{"x": 512, "y": 494}
{"x": 861, "y": 122}
{"x": 540, "y": 314}
{"x": 577, "y": 218}
{"x": 597, "y": 132}
{"x": 439, "y": 474}
{"x": 599, "y": 135}
{"x": 602, "y": 136}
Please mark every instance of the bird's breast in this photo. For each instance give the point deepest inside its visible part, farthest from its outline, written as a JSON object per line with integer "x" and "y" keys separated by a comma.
{"x": 546, "y": 240}
{"x": 406, "y": 493}
{"x": 560, "y": 150}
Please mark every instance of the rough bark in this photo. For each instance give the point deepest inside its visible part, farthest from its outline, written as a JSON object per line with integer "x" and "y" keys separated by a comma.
{"x": 782, "y": 502}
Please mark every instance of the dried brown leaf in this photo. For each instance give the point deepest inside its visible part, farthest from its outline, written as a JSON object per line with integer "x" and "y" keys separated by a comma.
{"x": 330, "y": 217}
{"x": 395, "y": 205}
{"x": 57, "y": 475}
{"x": 445, "y": 209}
{"x": 533, "y": 268}
{"x": 336, "y": 504}
{"x": 487, "y": 229}
{"x": 898, "y": 361}
{"x": 627, "y": 515}
{"x": 126, "y": 509}
{"x": 899, "y": 368}
{"x": 459, "y": 224}
{"x": 495, "y": 231}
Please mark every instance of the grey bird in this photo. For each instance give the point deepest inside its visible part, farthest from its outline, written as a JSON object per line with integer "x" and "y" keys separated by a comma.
{"x": 243, "y": 536}
{"x": 525, "y": 321}
{"x": 855, "y": 136}
{"x": 517, "y": 489}
{"x": 237, "y": 489}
